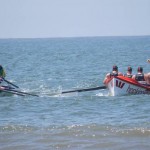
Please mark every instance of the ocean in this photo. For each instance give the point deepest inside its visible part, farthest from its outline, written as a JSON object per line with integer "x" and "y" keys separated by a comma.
{"x": 90, "y": 120}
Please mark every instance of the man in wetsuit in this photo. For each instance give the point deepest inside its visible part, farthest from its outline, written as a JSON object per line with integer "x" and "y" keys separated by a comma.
{"x": 112, "y": 74}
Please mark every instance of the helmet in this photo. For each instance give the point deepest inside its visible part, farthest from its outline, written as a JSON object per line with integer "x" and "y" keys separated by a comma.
{"x": 140, "y": 69}
{"x": 129, "y": 68}
{"x": 115, "y": 68}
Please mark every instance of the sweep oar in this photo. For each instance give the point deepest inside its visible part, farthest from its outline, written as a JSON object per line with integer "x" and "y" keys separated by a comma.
{"x": 11, "y": 92}
{"x": 20, "y": 92}
{"x": 83, "y": 90}
{"x": 10, "y": 83}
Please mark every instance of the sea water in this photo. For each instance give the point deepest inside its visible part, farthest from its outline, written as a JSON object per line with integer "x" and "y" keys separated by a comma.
{"x": 87, "y": 120}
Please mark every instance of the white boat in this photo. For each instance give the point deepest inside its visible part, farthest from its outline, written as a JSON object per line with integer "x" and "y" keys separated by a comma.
{"x": 121, "y": 85}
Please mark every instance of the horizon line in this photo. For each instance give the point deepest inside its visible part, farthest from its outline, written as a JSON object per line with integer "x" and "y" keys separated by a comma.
{"x": 1, "y": 38}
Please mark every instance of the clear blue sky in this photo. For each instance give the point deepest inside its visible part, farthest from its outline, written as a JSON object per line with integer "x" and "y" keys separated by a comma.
{"x": 71, "y": 18}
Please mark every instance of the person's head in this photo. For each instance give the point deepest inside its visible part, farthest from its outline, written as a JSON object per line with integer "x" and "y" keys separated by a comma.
{"x": 115, "y": 68}
{"x": 140, "y": 69}
{"x": 129, "y": 69}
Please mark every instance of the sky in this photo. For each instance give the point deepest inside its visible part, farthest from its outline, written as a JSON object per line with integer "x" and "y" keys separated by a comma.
{"x": 73, "y": 18}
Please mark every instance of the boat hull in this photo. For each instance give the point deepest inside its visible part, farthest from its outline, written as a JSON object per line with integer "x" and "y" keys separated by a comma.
{"x": 121, "y": 85}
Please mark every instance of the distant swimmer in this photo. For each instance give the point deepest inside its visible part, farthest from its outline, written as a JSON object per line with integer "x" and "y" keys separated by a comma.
{"x": 112, "y": 74}
{"x": 129, "y": 72}
{"x": 148, "y": 60}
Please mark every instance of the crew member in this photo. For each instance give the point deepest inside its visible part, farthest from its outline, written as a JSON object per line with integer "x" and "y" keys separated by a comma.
{"x": 147, "y": 75}
{"x": 112, "y": 74}
{"x": 129, "y": 72}
{"x": 140, "y": 76}
{"x": 2, "y": 74}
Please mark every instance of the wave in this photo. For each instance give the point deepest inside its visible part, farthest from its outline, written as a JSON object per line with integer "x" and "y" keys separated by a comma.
{"x": 91, "y": 136}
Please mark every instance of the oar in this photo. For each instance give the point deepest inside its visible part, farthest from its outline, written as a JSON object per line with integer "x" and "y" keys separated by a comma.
{"x": 7, "y": 87}
{"x": 10, "y": 83}
{"x": 7, "y": 91}
{"x": 20, "y": 92}
{"x": 83, "y": 90}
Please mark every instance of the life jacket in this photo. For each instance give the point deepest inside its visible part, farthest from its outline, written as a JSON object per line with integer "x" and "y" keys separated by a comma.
{"x": 128, "y": 75}
{"x": 139, "y": 77}
{"x": 113, "y": 74}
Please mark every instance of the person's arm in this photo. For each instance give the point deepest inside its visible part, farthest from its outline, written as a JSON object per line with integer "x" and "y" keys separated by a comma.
{"x": 120, "y": 74}
{"x": 2, "y": 88}
{"x": 106, "y": 78}
{"x": 133, "y": 77}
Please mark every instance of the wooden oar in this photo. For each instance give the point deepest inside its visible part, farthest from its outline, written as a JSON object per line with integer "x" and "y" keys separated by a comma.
{"x": 10, "y": 83}
{"x": 84, "y": 90}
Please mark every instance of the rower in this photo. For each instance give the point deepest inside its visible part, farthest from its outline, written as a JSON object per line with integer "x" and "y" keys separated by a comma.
{"x": 129, "y": 72}
{"x": 140, "y": 76}
{"x": 2, "y": 74}
{"x": 112, "y": 74}
{"x": 147, "y": 75}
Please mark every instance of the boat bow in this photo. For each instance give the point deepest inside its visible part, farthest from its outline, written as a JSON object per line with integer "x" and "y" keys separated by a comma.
{"x": 121, "y": 85}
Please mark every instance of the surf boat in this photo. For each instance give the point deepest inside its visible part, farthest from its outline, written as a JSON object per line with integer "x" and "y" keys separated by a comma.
{"x": 121, "y": 85}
